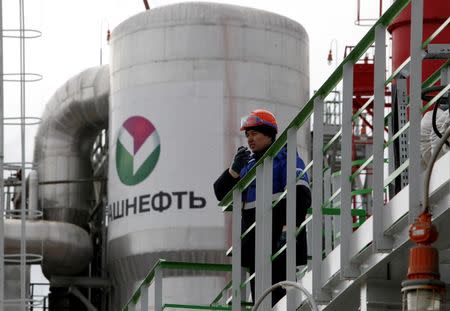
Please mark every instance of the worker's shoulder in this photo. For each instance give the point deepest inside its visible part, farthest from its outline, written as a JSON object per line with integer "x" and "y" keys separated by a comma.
{"x": 282, "y": 154}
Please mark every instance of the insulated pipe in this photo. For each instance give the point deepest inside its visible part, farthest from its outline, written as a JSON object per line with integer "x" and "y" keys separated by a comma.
{"x": 33, "y": 194}
{"x": 72, "y": 119}
{"x": 66, "y": 248}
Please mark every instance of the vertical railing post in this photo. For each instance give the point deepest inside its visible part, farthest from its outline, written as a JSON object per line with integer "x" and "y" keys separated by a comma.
{"x": 244, "y": 294}
{"x": 291, "y": 214}
{"x": 263, "y": 269}
{"x": 236, "y": 259}
{"x": 158, "y": 289}
{"x": 380, "y": 242}
{"x": 347, "y": 269}
{"x": 267, "y": 246}
{"x": 2, "y": 202}
{"x": 144, "y": 297}
{"x": 415, "y": 101}
{"x": 328, "y": 219}
{"x": 259, "y": 283}
{"x": 335, "y": 185}
{"x": 317, "y": 198}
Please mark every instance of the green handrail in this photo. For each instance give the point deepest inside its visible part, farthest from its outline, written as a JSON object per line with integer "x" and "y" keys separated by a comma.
{"x": 306, "y": 111}
{"x": 194, "y": 307}
{"x": 323, "y": 91}
{"x": 428, "y": 82}
{"x": 174, "y": 265}
{"x": 197, "y": 307}
{"x": 297, "y": 122}
{"x": 218, "y": 297}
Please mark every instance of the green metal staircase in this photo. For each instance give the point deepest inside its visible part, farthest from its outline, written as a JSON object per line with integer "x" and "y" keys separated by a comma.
{"x": 361, "y": 245}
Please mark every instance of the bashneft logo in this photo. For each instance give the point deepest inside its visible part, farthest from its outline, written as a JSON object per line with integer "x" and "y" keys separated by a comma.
{"x": 137, "y": 151}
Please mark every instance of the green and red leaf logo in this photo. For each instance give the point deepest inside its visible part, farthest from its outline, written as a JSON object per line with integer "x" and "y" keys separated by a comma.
{"x": 137, "y": 151}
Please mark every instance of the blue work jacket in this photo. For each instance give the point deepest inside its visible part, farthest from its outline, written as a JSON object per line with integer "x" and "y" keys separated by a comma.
{"x": 279, "y": 177}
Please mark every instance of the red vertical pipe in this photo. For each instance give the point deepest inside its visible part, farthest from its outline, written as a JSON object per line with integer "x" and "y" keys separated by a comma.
{"x": 147, "y": 6}
{"x": 435, "y": 13}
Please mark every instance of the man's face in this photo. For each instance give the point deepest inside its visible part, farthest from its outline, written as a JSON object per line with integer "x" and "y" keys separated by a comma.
{"x": 257, "y": 141}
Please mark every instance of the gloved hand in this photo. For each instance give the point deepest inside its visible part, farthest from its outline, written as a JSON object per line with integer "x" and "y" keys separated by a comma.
{"x": 281, "y": 240}
{"x": 240, "y": 160}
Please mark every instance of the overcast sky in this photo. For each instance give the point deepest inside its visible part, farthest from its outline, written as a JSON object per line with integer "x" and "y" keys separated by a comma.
{"x": 74, "y": 31}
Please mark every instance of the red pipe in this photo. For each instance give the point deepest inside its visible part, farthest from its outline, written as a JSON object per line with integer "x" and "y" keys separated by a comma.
{"x": 434, "y": 14}
{"x": 147, "y": 6}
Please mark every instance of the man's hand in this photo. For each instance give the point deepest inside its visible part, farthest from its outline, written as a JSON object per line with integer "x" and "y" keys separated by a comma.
{"x": 281, "y": 240}
{"x": 239, "y": 161}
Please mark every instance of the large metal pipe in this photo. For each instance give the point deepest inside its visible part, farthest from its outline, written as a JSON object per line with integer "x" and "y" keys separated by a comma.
{"x": 72, "y": 119}
{"x": 33, "y": 196}
{"x": 66, "y": 248}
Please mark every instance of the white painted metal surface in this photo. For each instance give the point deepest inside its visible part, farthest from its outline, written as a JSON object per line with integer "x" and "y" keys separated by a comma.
{"x": 263, "y": 233}
{"x": 328, "y": 226}
{"x": 158, "y": 303}
{"x": 291, "y": 214}
{"x": 317, "y": 199}
{"x": 237, "y": 249}
{"x": 415, "y": 81}
{"x": 395, "y": 222}
{"x": 381, "y": 243}
{"x": 347, "y": 271}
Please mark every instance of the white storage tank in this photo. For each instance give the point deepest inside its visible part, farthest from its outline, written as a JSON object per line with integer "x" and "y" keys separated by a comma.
{"x": 181, "y": 78}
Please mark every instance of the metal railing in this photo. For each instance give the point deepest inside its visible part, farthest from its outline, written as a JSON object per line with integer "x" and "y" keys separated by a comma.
{"x": 22, "y": 77}
{"x": 333, "y": 221}
{"x": 139, "y": 298}
{"x": 340, "y": 200}
{"x": 40, "y": 300}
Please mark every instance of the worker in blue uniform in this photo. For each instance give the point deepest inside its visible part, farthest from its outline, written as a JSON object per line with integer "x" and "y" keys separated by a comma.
{"x": 260, "y": 128}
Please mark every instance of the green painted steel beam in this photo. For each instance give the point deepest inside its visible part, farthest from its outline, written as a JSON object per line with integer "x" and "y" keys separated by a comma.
{"x": 175, "y": 265}
{"x": 396, "y": 173}
{"x": 436, "y": 32}
{"x": 337, "y": 211}
{"x": 193, "y": 307}
{"x": 220, "y": 295}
